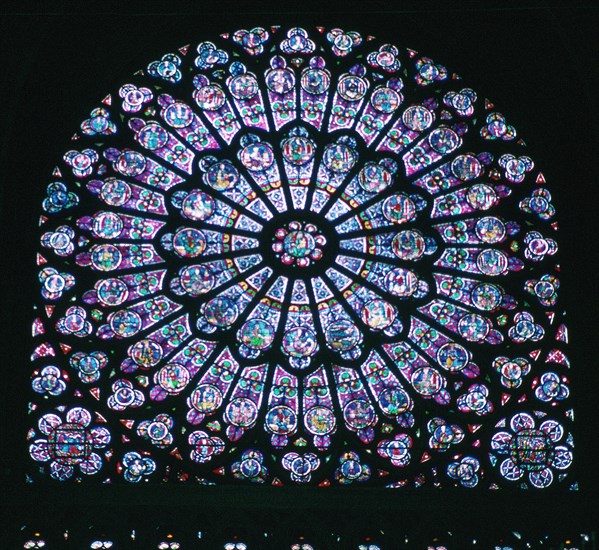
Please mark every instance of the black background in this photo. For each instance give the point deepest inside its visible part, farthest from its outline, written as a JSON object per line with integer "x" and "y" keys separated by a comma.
{"x": 537, "y": 62}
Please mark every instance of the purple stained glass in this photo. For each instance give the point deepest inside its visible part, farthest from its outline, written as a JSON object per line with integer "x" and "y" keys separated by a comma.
{"x": 300, "y": 257}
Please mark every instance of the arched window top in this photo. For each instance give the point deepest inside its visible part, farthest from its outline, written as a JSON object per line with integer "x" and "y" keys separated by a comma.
{"x": 299, "y": 256}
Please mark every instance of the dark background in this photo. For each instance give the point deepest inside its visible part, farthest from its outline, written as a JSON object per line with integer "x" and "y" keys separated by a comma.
{"x": 537, "y": 62}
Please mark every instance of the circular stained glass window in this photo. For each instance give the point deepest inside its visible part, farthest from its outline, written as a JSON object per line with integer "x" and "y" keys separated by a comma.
{"x": 298, "y": 256}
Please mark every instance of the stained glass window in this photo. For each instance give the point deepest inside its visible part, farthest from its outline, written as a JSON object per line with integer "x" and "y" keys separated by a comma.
{"x": 299, "y": 256}
{"x": 509, "y": 540}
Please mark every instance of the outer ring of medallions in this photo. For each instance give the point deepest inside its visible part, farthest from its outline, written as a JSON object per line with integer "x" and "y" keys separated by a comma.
{"x": 316, "y": 267}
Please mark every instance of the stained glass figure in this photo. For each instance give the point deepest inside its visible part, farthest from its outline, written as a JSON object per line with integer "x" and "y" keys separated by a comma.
{"x": 299, "y": 256}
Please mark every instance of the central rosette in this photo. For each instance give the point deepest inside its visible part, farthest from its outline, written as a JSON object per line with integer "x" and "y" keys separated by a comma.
{"x": 298, "y": 244}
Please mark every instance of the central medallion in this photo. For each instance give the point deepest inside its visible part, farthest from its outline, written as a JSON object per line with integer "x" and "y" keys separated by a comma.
{"x": 298, "y": 243}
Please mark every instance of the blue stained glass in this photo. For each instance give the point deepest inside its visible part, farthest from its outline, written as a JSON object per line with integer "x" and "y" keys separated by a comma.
{"x": 304, "y": 257}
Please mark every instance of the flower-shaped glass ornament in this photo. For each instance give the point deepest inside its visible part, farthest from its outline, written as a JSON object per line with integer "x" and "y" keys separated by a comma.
{"x": 70, "y": 443}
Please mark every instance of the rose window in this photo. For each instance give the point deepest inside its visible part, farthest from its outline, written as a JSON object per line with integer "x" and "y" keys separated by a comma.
{"x": 294, "y": 257}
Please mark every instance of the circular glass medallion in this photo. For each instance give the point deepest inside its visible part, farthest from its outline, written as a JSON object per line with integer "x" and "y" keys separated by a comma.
{"x": 339, "y": 158}
{"x": 178, "y": 115}
{"x": 466, "y": 167}
{"x": 492, "y": 262}
{"x": 490, "y": 230}
{"x": 130, "y": 163}
{"x": 315, "y": 81}
{"x": 173, "y": 377}
{"x": 125, "y": 323}
{"x": 378, "y": 314}
{"x": 298, "y": 150}
{"x": 197, "y": 206}
{"x": 146, "y": 353}
{"x": 481, "y": 196}
{"x": 222, "y": 176}
{"x": 221, "y": 311}
{"x": 359, "y": 414}
{"x": 281, "y": 420}
{"x": 196, "y": 280}
{"x": 280, "y": 81}
{"x": 486, "y": 297}
{"x": 206, "y": 398}
{"x": 299, "y": 244}
{"x": 385, "y": 100}
{"x": 319, "y": 420}
{"x": 243, "y": 87}
{"x": 401, "y": 282}
{"x": 352, "y": 88}
{"x": 443, "y": 140}
{"x": 257, "y": 157}
{"x": 417, "y": 118}
{"x": 394, "y": 401}
{"x": 115, "y": 192}
{"x": 105, "y": 257}
{"x": 342, "y": 335}
{"x": 189, "y": 243}
{"x": 112, "y": 292}
{"x": 210, "y": 98}
{"x": 408, "y": 245}
{"x": 374, "y": 177}
{"x": 474, "y": 327}
{"x": 241, "y": 412}
{"x": 152, "y": 137}
{"x": 453, "y": 357}
{"x": 257, "y": 334}
{"x": 426, "y": 381}
{"x": 107, "y": 225}
{"x": 299, "y": 342}
{"x": 351, "y": 469}
{"x": 399, "y": 209}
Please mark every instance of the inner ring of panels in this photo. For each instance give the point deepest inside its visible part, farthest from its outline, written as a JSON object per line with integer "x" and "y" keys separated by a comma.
{"x": 288, "y": 256}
